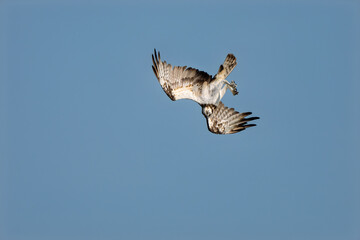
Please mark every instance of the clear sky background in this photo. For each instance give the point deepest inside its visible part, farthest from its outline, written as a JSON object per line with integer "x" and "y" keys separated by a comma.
{"x": 92, "y": 148}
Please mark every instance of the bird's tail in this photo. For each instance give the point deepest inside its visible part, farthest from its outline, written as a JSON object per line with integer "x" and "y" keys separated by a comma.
{"x": 227, "y": 67}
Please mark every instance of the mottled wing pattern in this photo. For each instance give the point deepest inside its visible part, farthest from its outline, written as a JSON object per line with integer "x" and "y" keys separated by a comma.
{"x": 227, "y": 67}
{"x": 226, "y": 120}
{"x": 178, "y": 82}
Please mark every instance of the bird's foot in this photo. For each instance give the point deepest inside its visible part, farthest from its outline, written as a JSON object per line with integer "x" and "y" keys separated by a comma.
{"x": 233, "y": 88}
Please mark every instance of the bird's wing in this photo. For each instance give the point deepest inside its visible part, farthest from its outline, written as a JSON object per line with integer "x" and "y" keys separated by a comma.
{"x": 227, "y": 67}
{"x": 226, "y": 120}
{"x": 179, "y": 82}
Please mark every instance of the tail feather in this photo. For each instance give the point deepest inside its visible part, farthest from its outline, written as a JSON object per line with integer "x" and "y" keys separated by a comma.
{"x": 227, "y": 67}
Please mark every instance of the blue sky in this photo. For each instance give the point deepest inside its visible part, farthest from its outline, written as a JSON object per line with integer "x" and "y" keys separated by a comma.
{"x": 92, "y": 148}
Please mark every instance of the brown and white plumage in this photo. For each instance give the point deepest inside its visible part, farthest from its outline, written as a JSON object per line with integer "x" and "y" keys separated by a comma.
{"x": 226, "y": 68}
{"x": 179, "y": 82}
{"x": 190, "y": 83}
{"x": 224, "y": 120}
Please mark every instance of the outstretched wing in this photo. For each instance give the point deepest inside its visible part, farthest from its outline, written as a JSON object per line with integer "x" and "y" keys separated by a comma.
{"x": 179, "y": 82}
{"x": 226, "y": 120}
{"x": 227, "y": 67}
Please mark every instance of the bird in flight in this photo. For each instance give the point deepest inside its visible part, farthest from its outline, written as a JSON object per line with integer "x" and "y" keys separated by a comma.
{"x": 190, "y": 83}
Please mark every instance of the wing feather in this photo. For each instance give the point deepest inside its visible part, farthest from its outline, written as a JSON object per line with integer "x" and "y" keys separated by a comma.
{"x": 178, "y": 82}
{"x": 226, "y": 120}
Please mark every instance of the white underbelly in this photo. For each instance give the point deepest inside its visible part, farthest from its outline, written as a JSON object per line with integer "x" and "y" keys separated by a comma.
{"x": 202, "y": 95}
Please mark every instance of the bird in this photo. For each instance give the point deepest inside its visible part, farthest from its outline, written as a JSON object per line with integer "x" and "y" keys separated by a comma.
{"x": 182, "y": 82}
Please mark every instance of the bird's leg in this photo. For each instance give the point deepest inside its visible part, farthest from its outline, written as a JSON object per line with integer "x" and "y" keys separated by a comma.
{"x": 232, "y": 86}
{"x": 225, "y": 86}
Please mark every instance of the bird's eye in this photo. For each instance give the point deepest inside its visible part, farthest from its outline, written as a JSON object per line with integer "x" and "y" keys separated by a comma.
{"x": 207, "y": 111}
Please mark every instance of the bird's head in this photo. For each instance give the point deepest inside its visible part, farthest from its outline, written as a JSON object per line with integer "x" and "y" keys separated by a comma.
{"x": 207, "y": 110}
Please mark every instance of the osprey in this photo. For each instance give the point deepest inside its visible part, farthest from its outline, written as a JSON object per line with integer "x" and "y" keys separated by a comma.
{"x": 190, "y": 83}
